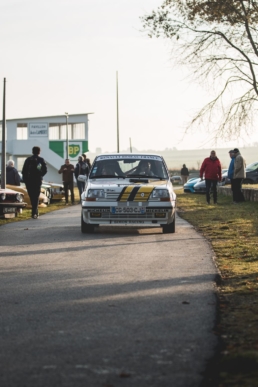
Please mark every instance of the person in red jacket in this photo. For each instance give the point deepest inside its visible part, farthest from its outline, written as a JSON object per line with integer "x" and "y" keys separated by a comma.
{"x": 211, "y": 170}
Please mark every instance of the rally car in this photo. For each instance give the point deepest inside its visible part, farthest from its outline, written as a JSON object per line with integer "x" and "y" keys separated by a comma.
{"x": 128, "y": 189}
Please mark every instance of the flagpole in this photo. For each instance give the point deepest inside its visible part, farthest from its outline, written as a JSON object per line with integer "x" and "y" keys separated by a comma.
{"x": 3, "y": 168}
{"x": 117, "y": 113}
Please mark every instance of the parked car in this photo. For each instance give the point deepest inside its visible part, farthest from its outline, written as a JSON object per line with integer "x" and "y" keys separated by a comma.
{"x": 176, "y": 179}
{"x": 128, "y": 189}
{"x": 43, "y": 199}
{"x": 46, "y": 189}
{"x": 200, "y": 187}
{"x": 57, "y": 191}
{"x": 11, "y": 203}
{"x": 189, "y": 186}
{"x": 225, "y": 179}
{"x": 251, "y": 173}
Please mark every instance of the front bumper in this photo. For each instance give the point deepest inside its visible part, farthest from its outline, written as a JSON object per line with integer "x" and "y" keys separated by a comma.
{"x": 151, "y": 215}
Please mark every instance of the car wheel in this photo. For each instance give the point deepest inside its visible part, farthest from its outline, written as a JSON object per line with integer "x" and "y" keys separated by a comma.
{"x": 86, "y": 228}
{"x": 170, "y": 228}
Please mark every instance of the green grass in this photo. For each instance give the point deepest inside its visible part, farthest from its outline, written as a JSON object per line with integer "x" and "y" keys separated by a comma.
{"x": 232, "y": 231}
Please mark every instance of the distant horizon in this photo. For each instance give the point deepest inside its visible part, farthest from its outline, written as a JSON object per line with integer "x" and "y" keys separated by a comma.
{"x": 191, "y": 157}
{"x": 174, "y": 149}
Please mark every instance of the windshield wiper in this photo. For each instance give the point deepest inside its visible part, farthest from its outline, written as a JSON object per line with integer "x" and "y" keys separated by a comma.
{"x": 107, "y": 177}
{"x": 146, "y": 177}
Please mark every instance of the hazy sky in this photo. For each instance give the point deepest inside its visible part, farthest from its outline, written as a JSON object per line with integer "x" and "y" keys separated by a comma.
{"x": 62, "y": 55}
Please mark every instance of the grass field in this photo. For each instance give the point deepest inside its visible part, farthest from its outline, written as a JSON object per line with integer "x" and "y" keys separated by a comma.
{"x": 232, "y": 231}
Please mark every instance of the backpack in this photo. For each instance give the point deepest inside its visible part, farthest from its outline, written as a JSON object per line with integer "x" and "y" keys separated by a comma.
{"x": 35, "y": 169}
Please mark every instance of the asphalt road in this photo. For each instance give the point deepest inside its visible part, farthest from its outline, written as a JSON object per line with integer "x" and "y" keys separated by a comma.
{"x": 121, "y": 307}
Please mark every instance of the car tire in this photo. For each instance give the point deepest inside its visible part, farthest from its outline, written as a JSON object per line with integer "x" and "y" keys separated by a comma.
{"x": 170, "y": 228}
{"x": 85, "y": 227}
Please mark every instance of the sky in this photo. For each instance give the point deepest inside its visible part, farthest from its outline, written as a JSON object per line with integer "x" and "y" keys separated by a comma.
{"x": 63, "y": 56}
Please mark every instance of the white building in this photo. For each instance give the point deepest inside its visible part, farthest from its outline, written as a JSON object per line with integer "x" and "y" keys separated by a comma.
{"x": 50, "y": 134}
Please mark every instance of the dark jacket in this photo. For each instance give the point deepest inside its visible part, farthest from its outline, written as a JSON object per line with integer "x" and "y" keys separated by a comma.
{"x": 68, "y": 173}
{"x": 12, "y": 176}
{"x": 81, "y": 168}
{"x": 33, "y": 170}
{"x": 184, "y": 171}
{"x": 211, "y": 169}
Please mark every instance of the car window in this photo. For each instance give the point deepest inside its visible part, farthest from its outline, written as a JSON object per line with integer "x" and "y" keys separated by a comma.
{"x": 128, "y": 167}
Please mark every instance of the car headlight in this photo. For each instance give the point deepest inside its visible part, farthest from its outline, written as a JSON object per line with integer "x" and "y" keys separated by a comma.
{"x": 3, "y": 196}
{"x": 161, "y": 194}
{"x": 95, "y": 194}
{"x": 19, "y": 197}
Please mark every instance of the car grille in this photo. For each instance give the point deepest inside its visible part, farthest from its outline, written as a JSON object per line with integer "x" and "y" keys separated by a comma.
{"x": 10, "y": 198}
{"x": 106, "y": 214}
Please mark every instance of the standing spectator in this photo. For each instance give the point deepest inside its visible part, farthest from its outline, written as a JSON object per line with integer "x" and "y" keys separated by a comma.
{"x": 33, "y": 170}
{"x": 81, "y": 169}
{"x": 211, "y": 170}
{"x": 238, "y": 176}
{"x": 85, "y": 160}
{"x": 89, "y": 163}
{"x": 67, "y": 171}
{"x": 231, "y": 167}
{"x": 12, "y": 175}
{"x": 184, "y": 174}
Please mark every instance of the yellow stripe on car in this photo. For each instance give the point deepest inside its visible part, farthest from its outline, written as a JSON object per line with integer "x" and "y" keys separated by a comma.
{"x": 126, "y": 193}
{"x": 143, "y": 194}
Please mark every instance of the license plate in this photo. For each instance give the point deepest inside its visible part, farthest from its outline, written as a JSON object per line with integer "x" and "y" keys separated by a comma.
{"x": 128, "y": 210}
{"x": 127, "y": 222}
{"x": 7, "y": 210}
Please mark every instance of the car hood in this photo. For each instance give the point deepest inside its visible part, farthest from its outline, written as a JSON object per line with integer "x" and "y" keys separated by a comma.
{"x": 8, "y": 191}
{"x": 118, "y": 185}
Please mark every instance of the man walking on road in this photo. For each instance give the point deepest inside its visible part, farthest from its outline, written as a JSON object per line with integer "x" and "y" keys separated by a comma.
{"x": 238, "y": 176}
{"x": 211, "y": 170}
{"x": 67, "y": 170}
{"x": 33, "y": 170}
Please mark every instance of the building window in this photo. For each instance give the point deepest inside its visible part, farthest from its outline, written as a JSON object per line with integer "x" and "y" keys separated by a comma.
{"x": 20, "y": 162}
{"x": 22, "y": 132}
{"x": 63, "y": 132}
{"x": 75, "y": 131}
{"x": 78, "y": 131}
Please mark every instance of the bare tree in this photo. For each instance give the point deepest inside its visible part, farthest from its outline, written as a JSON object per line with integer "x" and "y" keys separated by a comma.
{"x": 218, "y": 40}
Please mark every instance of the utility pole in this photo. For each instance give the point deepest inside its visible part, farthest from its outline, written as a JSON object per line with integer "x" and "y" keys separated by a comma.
{"x": 117, "y": 113}
{"x": 67, "y": 137}
{"x": 130, "y": 144}
{"x": 3, "y": 167}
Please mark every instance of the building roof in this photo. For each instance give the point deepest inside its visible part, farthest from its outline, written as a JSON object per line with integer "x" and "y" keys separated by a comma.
{"x": 40, "y": 117}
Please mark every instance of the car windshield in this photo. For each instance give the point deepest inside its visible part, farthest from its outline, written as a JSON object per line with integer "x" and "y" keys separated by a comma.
{"x": 128, "y": 166}
{"x": 252, "y": 167}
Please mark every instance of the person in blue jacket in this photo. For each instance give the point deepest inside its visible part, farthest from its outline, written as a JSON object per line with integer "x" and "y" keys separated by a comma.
{"x": 231, "y": 167}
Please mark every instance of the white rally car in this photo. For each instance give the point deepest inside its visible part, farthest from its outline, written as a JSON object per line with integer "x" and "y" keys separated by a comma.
{"x": 128, "y": 189}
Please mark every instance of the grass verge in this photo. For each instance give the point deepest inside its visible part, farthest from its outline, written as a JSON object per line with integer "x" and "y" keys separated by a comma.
{"x": 232, "y": 231}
